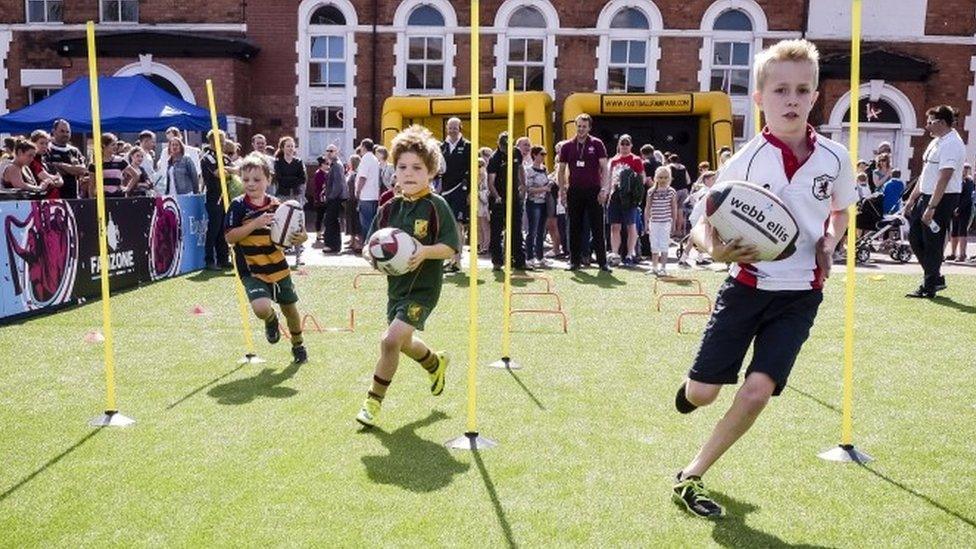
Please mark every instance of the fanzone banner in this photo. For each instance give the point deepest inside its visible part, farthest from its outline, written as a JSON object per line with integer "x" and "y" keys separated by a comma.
{"x": 49, "y": 248}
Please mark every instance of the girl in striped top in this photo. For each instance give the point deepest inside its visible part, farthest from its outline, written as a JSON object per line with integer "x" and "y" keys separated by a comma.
{"x": 659, "y": 214}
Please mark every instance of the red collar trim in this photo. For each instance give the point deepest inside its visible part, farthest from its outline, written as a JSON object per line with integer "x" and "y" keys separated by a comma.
{"x": 247, "y": 200}
{"x": 791, "y": 164}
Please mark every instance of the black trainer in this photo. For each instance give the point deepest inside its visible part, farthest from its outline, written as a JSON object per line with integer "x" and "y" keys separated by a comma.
{"x": 272, "y": 331}
{"x": 299, "y": 354}
{"x": 921, "y": 292}
{"x": 690, "y": 493}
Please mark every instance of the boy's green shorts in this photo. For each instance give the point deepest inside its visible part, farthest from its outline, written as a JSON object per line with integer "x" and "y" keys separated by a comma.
{"x": 281, "y": 292}
{"x": 412, "y": 312}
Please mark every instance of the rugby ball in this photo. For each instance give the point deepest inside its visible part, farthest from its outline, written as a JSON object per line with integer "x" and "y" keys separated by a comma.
{"x": 289, "y": 219}
{"x": 391, "y": 250}
{"x": 755, "y": 215}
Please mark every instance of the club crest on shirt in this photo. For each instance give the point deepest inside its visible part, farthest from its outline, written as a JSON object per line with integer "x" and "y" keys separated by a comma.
{"x": 420, "y": 228}
{"x": 822, "y": 186}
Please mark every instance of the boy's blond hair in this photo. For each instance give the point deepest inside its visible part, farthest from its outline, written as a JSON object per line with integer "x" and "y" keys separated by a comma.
{"x": 787, "y": 50}
{"x": 420, "y": 141}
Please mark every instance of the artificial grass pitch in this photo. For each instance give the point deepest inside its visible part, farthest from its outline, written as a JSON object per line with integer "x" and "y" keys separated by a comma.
{"x": 269, "y": 454}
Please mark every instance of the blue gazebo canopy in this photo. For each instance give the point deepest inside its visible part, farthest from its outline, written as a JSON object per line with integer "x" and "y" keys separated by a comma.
{"x": 127, "y": 104}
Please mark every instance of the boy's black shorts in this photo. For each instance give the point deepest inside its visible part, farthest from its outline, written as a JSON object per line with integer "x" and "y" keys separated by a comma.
{"x": 779, "y": 322}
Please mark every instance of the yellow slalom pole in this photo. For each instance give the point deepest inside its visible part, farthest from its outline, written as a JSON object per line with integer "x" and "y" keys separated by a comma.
{"x": 471, "y": 440}
{"x": 111, "y": 416}
{"x": 510, "y": 225}
{"x": 848, "y": 404}
{"x": 472, "y": 427}
{"x": 757, "y": 118}
{"x": 222, "y": 173}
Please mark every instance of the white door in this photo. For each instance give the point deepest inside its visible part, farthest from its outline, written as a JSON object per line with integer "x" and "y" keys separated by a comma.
{"x": 869, "y": 139}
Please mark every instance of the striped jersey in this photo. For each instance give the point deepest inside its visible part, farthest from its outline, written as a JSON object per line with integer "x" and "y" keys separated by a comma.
{"x": 659, "y": 201}
{"x": 811, "y": 190}
{"x": 254, "y": 254}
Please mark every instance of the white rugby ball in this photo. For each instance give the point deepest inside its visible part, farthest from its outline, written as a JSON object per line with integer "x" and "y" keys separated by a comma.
{"x": 391, "y": 250}
{"x": 289, "y": 219}
{"x": 738, "y": 209}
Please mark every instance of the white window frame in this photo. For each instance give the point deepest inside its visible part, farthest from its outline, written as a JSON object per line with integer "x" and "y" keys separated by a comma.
{"x": 406, "y": 32}
{"x": 741, "y": 105}
{"x": 30, "y": 90}
{"x": 118, "y": 21}
{"x": 327, "y": 60}
{"x": 309, "y": 96}
{"x": 146, "y": 65}
{"x": 651, "y": 37}
{"x": 547, "y": 34}
{"x": 730, "y": 66}
{"x": 27, "y": 18}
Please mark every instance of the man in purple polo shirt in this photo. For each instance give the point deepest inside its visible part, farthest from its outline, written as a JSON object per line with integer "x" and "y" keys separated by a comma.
{"x": 585, "y": 178}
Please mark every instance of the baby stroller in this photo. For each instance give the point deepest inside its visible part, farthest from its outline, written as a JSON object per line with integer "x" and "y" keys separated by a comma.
{"x": 889, "y": 236}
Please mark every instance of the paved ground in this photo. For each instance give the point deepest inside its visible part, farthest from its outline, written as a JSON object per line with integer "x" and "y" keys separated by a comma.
{"x": 879, "y": 264}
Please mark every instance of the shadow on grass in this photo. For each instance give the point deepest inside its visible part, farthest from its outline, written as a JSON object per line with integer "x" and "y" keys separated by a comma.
{"x": 732, "y": 530}
{"x": 969, "y": 521}
{"x": 951, "y": 303}
{"x": 205, "y": 275}
{"x": 524, "y": 388}
{"x": 20, "y": 484}
{"x": 516, "y": 282}
{"x": 265, "y": 384}
{"x": 603, "y": 280}
{"x": 815, "y": 399}
{"x": 495, "y": 502}
{"x": 461, "y": 280}
{"x": 189, "y": 395}
{"x": 413, "y": 463}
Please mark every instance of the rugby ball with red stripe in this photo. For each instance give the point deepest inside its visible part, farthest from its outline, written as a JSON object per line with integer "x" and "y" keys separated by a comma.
{"x": 289, "y": 219}
{"x": 391, "y": 250}
{"x": 738, "y": 209}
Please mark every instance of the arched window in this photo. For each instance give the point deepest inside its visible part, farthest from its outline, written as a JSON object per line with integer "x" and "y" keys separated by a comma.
{"x": 628, "y": 50}
{"x": 526, "y": 57}
{"x": 733, "y": 20}
{"x": 326, "y": 76}
{"x": 628, "y": 56}
{"x": 424, "y": 47}
{"x": 732, "y": 30}
{"x": 732, "y": 58}
{"x": 426, "y": 16}
{"x": 327, "y": 15}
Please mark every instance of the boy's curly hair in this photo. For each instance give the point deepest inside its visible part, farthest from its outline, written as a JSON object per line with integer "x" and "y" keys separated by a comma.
{"x": 420, "y": 141}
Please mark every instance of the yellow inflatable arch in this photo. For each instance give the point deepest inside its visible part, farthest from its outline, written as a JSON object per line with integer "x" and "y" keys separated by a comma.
{"x": 705, "y": 118}
{"x": 533, "y": 116}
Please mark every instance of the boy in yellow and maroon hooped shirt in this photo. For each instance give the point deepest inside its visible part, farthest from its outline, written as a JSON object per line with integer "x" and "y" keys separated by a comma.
{"x": 260, "y": 264}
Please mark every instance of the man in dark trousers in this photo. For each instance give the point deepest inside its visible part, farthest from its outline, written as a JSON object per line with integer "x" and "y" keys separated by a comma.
{"x": 215, "y": 252}
{"x": 455, "y": 180}
{"x": 585, "y": 178}
{"x": 930, "y": 206}
{"x": 497, "y": 189}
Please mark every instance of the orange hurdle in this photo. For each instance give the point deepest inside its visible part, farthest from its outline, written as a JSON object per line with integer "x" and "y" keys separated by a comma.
{"x": 677, "y": 280}
{"x": 565, "y": 320}
{"x": 690, "y": 313}
{"x": 355, "y": 280}
{"x": 708, "y": 300}
{"x": 530, "y": 278}
{"x": 309, "y": 319}
{"x": 559, "y": 301}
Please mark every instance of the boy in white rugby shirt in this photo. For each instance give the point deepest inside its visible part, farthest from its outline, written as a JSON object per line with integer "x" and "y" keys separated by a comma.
{"x": 768, "y": 304}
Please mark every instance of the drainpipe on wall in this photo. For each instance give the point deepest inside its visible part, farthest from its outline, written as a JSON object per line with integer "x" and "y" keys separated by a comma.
{"x": 372, "y": 101}
{"x": 806, "y": 18}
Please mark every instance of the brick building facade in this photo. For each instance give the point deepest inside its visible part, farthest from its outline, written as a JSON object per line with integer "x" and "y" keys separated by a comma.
{"x": 320, "y": 69}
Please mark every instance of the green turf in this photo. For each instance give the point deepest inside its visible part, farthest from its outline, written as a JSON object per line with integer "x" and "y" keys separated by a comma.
{"x": 270, "y": 455}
